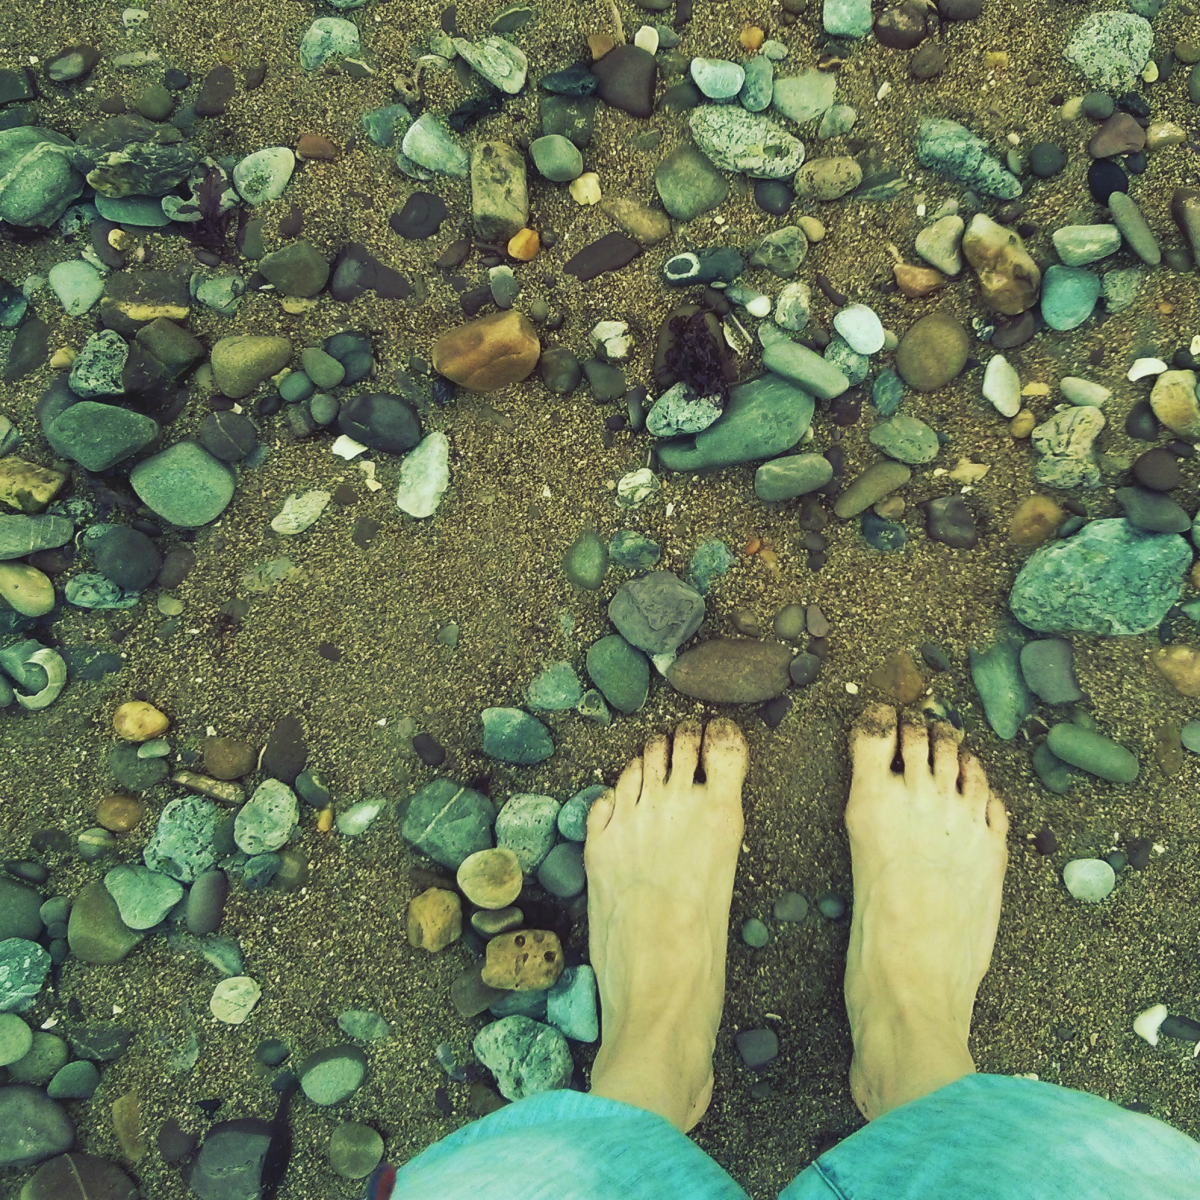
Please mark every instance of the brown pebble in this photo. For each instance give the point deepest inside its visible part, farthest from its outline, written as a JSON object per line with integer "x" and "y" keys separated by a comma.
{"x": 482, "y": 1100}
{"x": 1168, "y": 749}
{"x": 915, "y": 282}
{"x": 523, "y": 962}
{"x": 899, "y": 678}
{"x": 490, "y": 878}
{"x": 434, "y": 919}
{"x": 928, "y": 62}
{"x": 599, "y": 44}
{"x": 316, "y": 145}
{"x": 1021, "y": 426}
{"x": 1034, "y": 521}
{"x": 137, "y": 721}
{"x": 490, "y": 922}
{"x": 1158, "y": 469}
{"x": 228, "y": 758}
{"x": 817, "y": 622}
{"x": 118, "y": 813}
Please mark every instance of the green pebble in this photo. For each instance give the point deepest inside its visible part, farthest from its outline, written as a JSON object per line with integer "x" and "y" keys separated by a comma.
{"x": 755, "y": 933}
{"x": 16, "y": 1039}
{"x": 1098, "y": 105}
{"x": 76, "y": 1081}
{"x": 323, "y": 369}
{"x": 48, "y": 1055}
{"x": 620, "y": 671}
{"x": 1093, "y": 752}
{"x": 354, "y": 1150}
{"x": 586, "y": 560}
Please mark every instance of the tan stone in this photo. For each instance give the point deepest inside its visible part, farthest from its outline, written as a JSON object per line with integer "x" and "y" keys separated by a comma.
{"x": 899, "y": 678}
{"x": 242, "y": 362}
{"x": 26, "y": 589}
{"x": 1008, "y": 277}
{"x": 1181, "y": 667}
{"x": 28, "y": 487}
{"x": 490, "y": 353}
{"x": 1034, "y": 521}
{"x": 490, "y": 878}
{"x": 434, "y": 919}
{"x": 228, "y": 758}
{"x": 137, "y": 721}
{"x": 1174, "y": 402}
{"x": 118, "y": 813}
{"x": 523, "y": 962}
{"x": 915, "y": 282}
{"x": 647, "y": 226}
{"x": 524, "y": 245}
{"x": 828, "y": 178}
{"x": 1021, "y": 426}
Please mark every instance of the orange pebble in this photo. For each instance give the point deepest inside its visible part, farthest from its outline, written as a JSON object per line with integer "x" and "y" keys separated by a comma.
{"x": 915, "y": 282}
{"x": 751, "y": 38}
{"x": 118, "y": 813}
{"x": 600, "y": 44}
{"x": 753, "y": 546}
{"x": 325, "y": 820}
{"x": 1166, "y": 307}
{"x": 524, "y": 245}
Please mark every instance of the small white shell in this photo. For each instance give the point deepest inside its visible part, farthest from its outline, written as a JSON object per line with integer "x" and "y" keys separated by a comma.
{"x": 56, "y": 679}
{"x": 1146, "y": 1025}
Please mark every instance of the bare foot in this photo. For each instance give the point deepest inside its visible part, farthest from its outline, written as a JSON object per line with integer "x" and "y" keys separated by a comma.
{"x": 929, "y": 855}
{"x": 660, "y": 856}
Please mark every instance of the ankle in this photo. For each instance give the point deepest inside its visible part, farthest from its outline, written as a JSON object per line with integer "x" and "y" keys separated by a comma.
{"x": 654, "y": 1068}
{"x": 901, "y": 1055}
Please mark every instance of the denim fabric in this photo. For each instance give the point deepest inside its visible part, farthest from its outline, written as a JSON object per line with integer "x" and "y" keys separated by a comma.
{"x": 984, "y": 1137}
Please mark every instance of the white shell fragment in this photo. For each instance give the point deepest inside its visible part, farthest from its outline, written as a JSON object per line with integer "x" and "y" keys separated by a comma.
{"x": 1147, "y": 1024}
{"x": 635, "y": 487}
{"x": 1143, "y": 368}
{"x": 1002, "y": 386}
{"x": 56, "y": 679}
{"x": 347, "y": 448}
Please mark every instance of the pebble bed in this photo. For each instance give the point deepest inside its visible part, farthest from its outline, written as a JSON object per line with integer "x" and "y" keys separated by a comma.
{"x": 400, "y": 422}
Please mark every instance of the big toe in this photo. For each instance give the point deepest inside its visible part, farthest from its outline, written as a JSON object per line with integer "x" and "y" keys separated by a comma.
{"x": 724, "y": 754}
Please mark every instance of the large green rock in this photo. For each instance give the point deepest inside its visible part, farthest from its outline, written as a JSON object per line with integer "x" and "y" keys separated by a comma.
{"x": 620, "y": 671}
{"x": 19, "y": 910}
{"x": 33, "y": 1127}
{"x": 764, "y": 417}
{"x": 130, "y": 156}
{"x": 447, "y": 821}
{"x": 40, "y": 174}
{"x": 737, "y": 140}
{"x": 23, "y": 969}
{"x": 98, "y": 436}
{"x": 526, "y": 1056}
{"x": 184, "y": 484}
{"x": 513, "y": 736}
{"x": 1108, "y": 578}
{"x": 953, "y": 150}
{"x": 996, "y": 673}
{"x": 182, "y": 845}
{"x": 1110, "y": 49}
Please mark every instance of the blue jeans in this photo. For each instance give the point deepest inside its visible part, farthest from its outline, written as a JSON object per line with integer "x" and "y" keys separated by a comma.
{"x": 983, "y": 1137}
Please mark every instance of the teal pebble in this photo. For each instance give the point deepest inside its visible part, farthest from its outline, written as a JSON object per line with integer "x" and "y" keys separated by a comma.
{"x": 513, "y": 736}
{"x": 755, "y": 933}
{"x": 556, "y": 689}
{"x": 633, "y": 551}
{"x": 586, "y": 560}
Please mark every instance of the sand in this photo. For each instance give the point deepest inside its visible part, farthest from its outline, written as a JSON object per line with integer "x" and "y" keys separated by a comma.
{"x": 529, "y": 470}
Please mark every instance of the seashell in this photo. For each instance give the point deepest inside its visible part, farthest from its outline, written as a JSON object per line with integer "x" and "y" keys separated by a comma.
{"x": 56, "y": 679}
{"x": 1146, "y": 1025}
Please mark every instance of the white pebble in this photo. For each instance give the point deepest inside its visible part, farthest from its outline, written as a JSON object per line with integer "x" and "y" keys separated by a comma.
{"x": 1089, "y": 879}
{"x": 1083, "y": 392}
{"x": 1194, "y": 347}
{"x": 1145, "y": 367}
{"x": 233, "y": 1000}
{"x": 861, "y": 328}
{"x": 760, "y": 306}
{"x": 646, "y": 39}
{"x": 1147, "y": 1024}
{"x": 586, "y": 189}
{"x": 347, "y": 448}
{"x": 1002, "y": 386}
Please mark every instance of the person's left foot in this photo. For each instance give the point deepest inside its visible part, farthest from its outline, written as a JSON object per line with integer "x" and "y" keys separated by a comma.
{"x": 661, "y": 854}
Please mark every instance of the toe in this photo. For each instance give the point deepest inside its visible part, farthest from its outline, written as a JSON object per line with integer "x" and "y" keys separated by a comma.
{"x": 873, "y": 740}
{"x": 974, "y": 783}
{"x": 914, "y": 749}
{"x": 601, "y": 813}
{"x": 724, "y": 755}
{"x": 629, "y": 786}
{"x": 654, "y": 762}
{"x": 685, "y": 754}
{"x": 997, "y": 816}
{"x": 945, "y": 756}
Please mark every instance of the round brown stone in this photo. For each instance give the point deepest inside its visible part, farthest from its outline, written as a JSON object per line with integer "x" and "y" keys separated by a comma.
{"x": 1034, "y": 521}
{"x": 491, "y": 878}
{"x": 490, "y": 353}
{"x": 119, "y": 813}
{"x": 137, "y": 721}
{"x": 228, "y": 758}
{"x": 932, "y": 352}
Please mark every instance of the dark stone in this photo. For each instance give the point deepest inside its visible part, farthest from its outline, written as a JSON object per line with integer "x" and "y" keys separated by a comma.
{"x": 928, "y": 62}
{"x": 129, "y": 558}
{"x": 291, "y": 224}
{"x": 575, "y": 80}
{"x": 1141, "y": 423}
{"x": 774, "y": 196}
{"x": 1105, "y": 177}
{"x": 804, "y": 668}
{"x": 960, "y": 10}
{"x": 1046, "y": 159}
{"x": 127, "y": 292}
{"x": 429, "y": 750}
{"x": 228, "y": 436}
{"x": 286, "y": 752}
{"x": 79, "y": 1177}
{"x": 380, "y": 421}
{"x": 625, "y": 79}
{"x": 882, "y": 534}
{"x": 609, "y": 253}
{"x": 903, "y": 27}
{"x": 1158, "y": 469}
{"x": 33, "y": 1127}
{"x": 420, "y": 217}
{"x": 29, "y": 350}
{"x": 232, "y": 1161}
{"x": 177, "y": 565}
{"x": 356, "y": 270}
{"x": 948, "y": 520}
{"x": 16, "y": 84}
{"x": 936, "y": 659}
{"x": 216, "y": 91}
{"x": 1152, "y": 510}
{"x": 101, "y": 1043}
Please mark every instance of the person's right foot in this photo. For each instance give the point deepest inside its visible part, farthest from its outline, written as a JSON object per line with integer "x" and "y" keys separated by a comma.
{"x": 929, "y": 854}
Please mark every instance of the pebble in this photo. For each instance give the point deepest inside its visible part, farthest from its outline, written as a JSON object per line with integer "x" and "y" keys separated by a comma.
{"x": 555, "y": 689}
{"x": 1152, "y": 510}
{"x": 731, "y": 671}
{"x": 1069, "y": 295}
{"x": 586, "y": 561}
{"x": 562, "y": 872}
{"x": 997, "y": 676}
{"x": 949, "y": 520}
{"x": 299, "y": 512}
{"x": 755, "y": 934}
{"x": 266, "y": 820}
{"x": 679, "y": 411}
{"x": 1110, "y": 49}
{"x": 428, "y": 144}
{"x": 1092, "y": 752}
{"x": 355, "y": 1150}
{"x": 573, "y": 816}
{"x": 233, "y": 1000}
{"x": 907, "y": 439}
{"x": 831, "y": 906}
{"x": 1083, "y": 392}
{"x": 556, "y": 158}
{"x": 793, "y": 305}
{"x": 657, "y": 612}
{"x": 750, "y": 143}
{"x": 1089, "y": 879}
{"x": 1034, "y": 521}
{"x": 802, "y": 366}
{"x": 620, "y": 671}
{"x": 1078, "y": 245}
{"x": 143, "y": 897}
{"x": 1174, "y": 402}
{"x": 827, "y": 179}
{"x": 791, "y": 907}
{"x": 489, "y": 353}
{"x": 571, "y": 1004}
{"x": 792, "y": 476}
{"x": 526, "y": 827}
{"x": 954, "y": 151}
{"x": 33, "y": 1127}
{"x": 420, "y": 216}
{"x": 759, "y": 84}
{"x": 332, "y": 1075}
{"x": 526, "y": 1057}
{"x": 1127, "y": 217}
{"x": 871, "y": 486}
{"x": 434, "y": 919}
{"x": 502, "y": 63}
{"x": 490, "y": 878}
{"x": 513, "y": 736}
{"x": 76, "y": 1080}
{"x": 1046, "y": 159}
{"x": 625, "y": 79}
{"x": 861, "y": 328}
{"x": 804, "y": 97}
{"x": 717, "y": 78}
{"x": 1048, "y": 671}
{"x": 609, "y": 253}
{"x": 1002, "y": 386}
{"x": 932, "y": 352}
{"x": 424, "y": 476}
{"x": 1008, "y": 276}
{"x": 1180, "y": 665}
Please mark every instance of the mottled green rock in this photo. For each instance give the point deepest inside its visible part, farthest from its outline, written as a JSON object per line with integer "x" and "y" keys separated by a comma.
{"x": 514, "y": 736}
{"x": 997, "y": 676}
{"x": 447, "y": 821}
{"x": 953, "y": 150}
{"x": 586, "y": 560}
